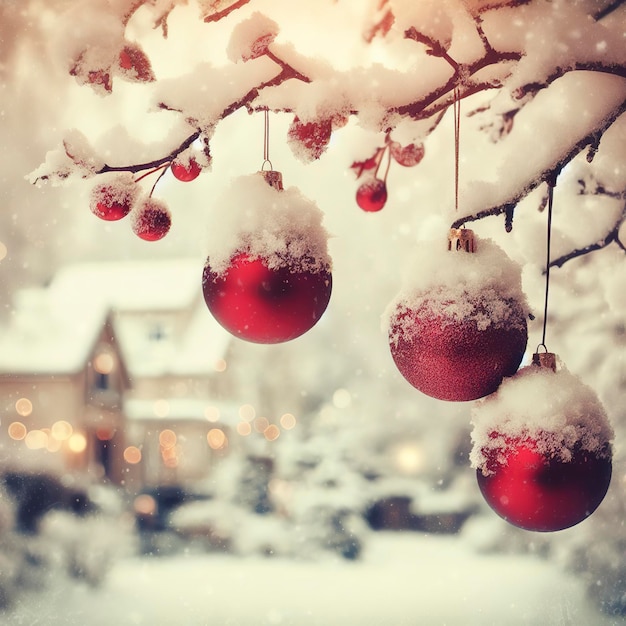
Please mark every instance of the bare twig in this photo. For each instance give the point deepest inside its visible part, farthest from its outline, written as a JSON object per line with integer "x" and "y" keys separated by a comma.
{"x": 218, "y": 15}
{"x": 611, "y": 237}
{"x": 608, "y": 9}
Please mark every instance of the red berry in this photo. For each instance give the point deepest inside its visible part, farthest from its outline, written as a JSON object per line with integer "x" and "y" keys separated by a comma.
{"x": 309, "y": 140}
{"x": 134, "y": 63}
{"x": 188, "y": 172}
{"x": 534, "y": 491}
{"x": 408, "y": 155}
{"x": 112, "y": 202}
{"x": 455, "y": 359}
{"x": 152, "y": 220}
{"x": 259, "y": 47}
{"x": 263, "y": 305}
{"x": 371, "y": 196}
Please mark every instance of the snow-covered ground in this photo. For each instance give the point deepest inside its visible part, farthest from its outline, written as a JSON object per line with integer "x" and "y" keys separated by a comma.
{"x": 404, "y": 579}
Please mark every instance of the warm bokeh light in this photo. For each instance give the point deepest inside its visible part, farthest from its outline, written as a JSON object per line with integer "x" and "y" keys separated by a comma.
{"x": 3, "y": 251}
{"x": 342, "y": 398}
{"x": 161, "y": 408}
{"x": 212, "y": 413}
{"x": 216, "y": 438}
{"x": 36, "y": 439}
{"x": 53, "y": 445}
{"x": 247, "y": 412}
{"x": 77, "y": 443}
{"x": 409, "y": 458}
{"x": 104, "y": 363}
{"x": 220, "y": 365}
{"x": 132, "y": 455}
{"x": 288, "y": 421}
{"x": 260, "y": 424}
{"x": 17, "y": 431}
{"x": 61, "y": 430}
{"x": 143, "y": 504}
{"x": 272, "y": 432}
{"x": 244, "y": 428}
{"x": 167, "y": 454}
{"x": 171, "y": 461}
{"x": 167, "y": 438}
{"x": 24, "y": 407}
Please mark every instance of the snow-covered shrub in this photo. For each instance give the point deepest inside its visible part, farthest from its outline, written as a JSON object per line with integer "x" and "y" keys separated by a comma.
{"x": 87, "y": 546}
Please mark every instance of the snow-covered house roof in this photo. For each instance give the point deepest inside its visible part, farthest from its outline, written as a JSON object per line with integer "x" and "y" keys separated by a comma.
{"x": 53, "y": 329}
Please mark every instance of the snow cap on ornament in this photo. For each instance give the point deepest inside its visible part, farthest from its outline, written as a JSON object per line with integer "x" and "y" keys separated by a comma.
{"x": 267, "y": 278}
{"x": 458, "y": 325}
{"x": 542, "y": 448}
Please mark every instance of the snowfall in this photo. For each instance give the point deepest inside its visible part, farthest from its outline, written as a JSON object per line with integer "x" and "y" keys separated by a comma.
{"x": 403, "y": 580}
{"x": 58, "y": 132}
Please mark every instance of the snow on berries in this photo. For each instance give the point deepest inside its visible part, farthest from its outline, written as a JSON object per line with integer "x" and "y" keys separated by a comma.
{"x": 186, "y": 172}
{"x": 113, "y": 199}
{"x": 309, "y": 140}
{"x": 151, "y": 220}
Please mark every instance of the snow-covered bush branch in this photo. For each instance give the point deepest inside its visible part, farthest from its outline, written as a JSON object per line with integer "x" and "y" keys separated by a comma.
{"x": 409, "y": 63}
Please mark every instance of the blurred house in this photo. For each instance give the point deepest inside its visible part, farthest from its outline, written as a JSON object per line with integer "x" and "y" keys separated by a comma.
{"x": 116, "y": 370}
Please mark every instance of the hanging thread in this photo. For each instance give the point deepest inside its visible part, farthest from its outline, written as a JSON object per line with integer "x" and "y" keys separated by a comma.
{"x": 266, "y": 140}
{"x": 551, "y": 184}
{"x": 456, "y": 108}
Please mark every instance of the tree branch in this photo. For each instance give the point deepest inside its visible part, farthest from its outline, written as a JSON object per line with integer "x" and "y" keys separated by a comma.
{"x": 608, "y": 9}
{"x": 218, "y": 15}
{"x": 611, "y": 237}
{"x": 287, "y": 72}
{"x": 546, "y": 174}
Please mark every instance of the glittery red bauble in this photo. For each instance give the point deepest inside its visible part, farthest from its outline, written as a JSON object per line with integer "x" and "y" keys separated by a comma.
{"x": 266, "y": 305}
{"x": 456, "y": 359}
{"x": 534, "y": 491}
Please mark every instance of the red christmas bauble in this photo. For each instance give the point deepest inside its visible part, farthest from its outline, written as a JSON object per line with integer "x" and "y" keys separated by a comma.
{"x": 537, "y": 491}
{"x": 152, "y": 220}
{"x": 265, "y": 304}
{"x": 457, "y": 359}
{"x": 458, "y": 327}
{"x": 542, "y": 448}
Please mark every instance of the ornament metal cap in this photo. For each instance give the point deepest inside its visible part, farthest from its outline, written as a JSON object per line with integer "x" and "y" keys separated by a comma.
{"x": 545, "y": 359}
{"x": 273, "y": 179}
{"x": 461, "y": 239}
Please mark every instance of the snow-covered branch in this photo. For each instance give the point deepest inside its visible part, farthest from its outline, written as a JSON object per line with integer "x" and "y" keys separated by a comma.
{"x": 547, "y": 174}
{"x": 611, "y": 237}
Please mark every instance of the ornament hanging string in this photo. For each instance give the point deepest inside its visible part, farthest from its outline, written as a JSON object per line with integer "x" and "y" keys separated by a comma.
{"x": 266, "y": 140}
{"x": 456, "y": 108}
{"x": 551, "y": 184}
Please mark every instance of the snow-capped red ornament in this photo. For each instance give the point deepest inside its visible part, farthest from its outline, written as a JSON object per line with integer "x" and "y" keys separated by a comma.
{"x": 151, "y": 220}
{"x": 267, "y": 278}
{"x": 458, "y": 326}
{"x": 542, "y": 448}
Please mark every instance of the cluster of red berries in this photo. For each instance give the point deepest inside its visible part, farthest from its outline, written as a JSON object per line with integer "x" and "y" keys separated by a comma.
{"x": 150, "y": 217}
{"x": 371, "y": 196}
